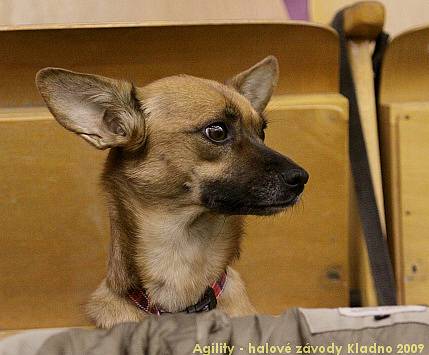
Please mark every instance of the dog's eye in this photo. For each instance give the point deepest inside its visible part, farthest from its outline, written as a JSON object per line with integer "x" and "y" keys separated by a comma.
{"x": 217, "y": 132}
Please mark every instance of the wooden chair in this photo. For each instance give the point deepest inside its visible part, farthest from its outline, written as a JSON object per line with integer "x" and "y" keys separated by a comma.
{"x": 404, "y": 128}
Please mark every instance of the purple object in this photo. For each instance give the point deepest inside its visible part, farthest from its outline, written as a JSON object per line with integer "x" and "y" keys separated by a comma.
{"x": 297, "y": 9}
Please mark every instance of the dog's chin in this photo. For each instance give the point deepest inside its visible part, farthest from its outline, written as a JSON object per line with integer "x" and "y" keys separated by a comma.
{"x": 261, "y": 209}
{"x": 257, "y": 209}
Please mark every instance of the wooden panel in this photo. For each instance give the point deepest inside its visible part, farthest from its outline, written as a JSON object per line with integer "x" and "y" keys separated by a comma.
{"x": 405, "y": 73}
{"x": 405, "y": 129}
{"x": 53, "y": 222}
{"x": 300, "y": 258}
{"x": 40, "y": 333}
{"x": 404, "y": 93}
{"x": 143, "y": 54}
{"x": 413, "y": 129}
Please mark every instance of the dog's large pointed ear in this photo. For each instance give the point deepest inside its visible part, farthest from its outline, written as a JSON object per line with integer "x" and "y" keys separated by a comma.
{"x": 103, "y": 111}
{"x": 257, "y": 83}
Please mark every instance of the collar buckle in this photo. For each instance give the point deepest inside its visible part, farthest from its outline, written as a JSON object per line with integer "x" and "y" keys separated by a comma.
{"x": 206, "y": 303}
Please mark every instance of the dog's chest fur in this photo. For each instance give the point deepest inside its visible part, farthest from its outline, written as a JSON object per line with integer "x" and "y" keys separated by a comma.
{"x": 179, "y": 255}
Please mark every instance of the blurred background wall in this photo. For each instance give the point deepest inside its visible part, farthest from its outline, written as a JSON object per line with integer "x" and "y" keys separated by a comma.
{"x": 401, "y": 14}
{"x": 24, "y": 12}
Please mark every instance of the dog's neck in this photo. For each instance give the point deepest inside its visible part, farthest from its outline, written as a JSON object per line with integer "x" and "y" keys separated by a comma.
{"x": 173, "y": 253}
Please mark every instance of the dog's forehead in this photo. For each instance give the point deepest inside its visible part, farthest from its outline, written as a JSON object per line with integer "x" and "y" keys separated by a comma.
{"x": 191, "y": 99}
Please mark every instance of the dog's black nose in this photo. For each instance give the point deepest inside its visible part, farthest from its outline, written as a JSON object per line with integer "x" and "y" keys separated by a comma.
{"x": 295, "y": 178}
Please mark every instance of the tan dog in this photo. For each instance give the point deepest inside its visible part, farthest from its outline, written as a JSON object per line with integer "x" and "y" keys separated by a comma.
{"x": 187, "y": 159}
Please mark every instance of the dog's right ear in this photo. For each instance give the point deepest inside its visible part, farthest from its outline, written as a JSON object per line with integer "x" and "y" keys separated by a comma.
{"x": 103, "y": 111}
{"x": 257, "y": 83}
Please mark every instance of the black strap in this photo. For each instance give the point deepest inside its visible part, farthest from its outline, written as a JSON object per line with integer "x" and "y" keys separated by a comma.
{"x": 381, "y": 44}
{"x": 378, "y": 252}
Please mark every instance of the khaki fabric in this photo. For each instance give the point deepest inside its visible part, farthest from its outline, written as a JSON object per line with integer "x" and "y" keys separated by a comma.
{"x": 180, "y": 334}
{"x": 297, "y": 331}
{"x": 400, "y": 333}
{"x": 27, "y": 342}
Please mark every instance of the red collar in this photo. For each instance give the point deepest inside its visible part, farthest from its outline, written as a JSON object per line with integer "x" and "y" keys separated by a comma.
{"x": 207, "y": 302}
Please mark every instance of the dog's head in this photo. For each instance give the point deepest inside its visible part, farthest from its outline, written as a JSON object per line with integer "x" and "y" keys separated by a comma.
{"x": 182, "y": 140}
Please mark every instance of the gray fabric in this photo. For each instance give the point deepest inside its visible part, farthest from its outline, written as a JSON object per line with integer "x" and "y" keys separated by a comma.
{"x": 329, "y": 320}
{"x": 402, "y": 333}
{"x": 179, "y": 334}
{"x": 27, "y": 343}
{"x": 215, "y": 333}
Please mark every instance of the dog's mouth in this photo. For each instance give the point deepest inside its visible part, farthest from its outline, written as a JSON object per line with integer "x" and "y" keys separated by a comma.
{"x": 272, "y": 208}
{"x": 281, "y": 204}
{"x": 263, "y": 209}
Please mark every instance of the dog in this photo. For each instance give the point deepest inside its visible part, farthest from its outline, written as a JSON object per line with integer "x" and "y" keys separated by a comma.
{"x": 187, "y": 161}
